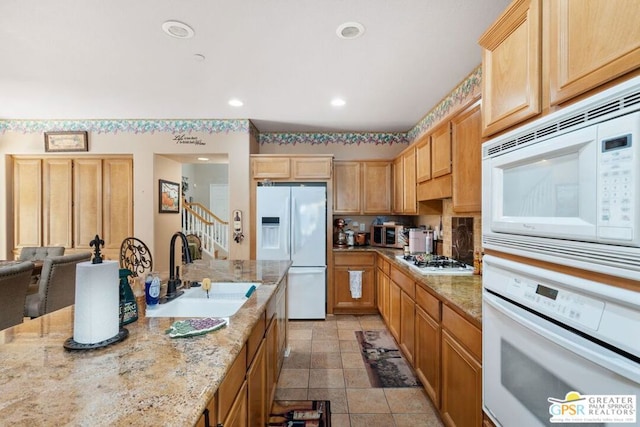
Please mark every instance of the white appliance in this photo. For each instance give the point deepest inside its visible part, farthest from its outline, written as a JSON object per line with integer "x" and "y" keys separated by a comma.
{"x": 566, "y": 188}
{"x": 292, "y": 224}
{"x": 546, "y": 335}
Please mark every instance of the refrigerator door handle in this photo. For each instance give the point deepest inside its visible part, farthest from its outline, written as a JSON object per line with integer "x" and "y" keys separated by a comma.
{"x": 287, "y": 229}
{"x": 294, "y": 231}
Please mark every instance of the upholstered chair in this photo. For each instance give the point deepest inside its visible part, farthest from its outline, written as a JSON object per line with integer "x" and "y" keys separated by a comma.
{"x": 14, "y": 281}
{"x": 35, "y": 253}
{"x": 57, "y": 285}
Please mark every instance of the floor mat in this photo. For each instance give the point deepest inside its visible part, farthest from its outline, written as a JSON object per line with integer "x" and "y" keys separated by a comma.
{"x": 300, "y": 413}
{"x": 385, "y": 364}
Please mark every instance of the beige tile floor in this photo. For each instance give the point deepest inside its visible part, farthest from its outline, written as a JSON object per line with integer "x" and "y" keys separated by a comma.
{"x": 325, "y": 364}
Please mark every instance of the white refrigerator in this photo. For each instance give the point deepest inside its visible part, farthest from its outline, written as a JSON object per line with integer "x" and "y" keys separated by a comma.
{"x": 292, "y": 224}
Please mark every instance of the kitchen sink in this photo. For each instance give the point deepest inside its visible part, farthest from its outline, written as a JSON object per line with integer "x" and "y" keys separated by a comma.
{"x": 225, "y": 299}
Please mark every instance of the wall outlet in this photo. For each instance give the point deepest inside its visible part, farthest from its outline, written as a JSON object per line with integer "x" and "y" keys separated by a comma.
{"x": 362, "y": 228}
{"x": 354, "y": 223}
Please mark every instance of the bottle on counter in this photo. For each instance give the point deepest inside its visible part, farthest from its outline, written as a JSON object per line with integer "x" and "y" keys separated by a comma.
{"x": 152, "y": 289}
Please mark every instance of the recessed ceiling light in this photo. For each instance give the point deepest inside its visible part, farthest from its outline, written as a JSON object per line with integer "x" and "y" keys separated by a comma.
{"x": 178, "y": 29}
{"x": 203, "y": 159}
{"x": 338, "y": 102}
{"x": 350, "y": 30}
{"x": 234, "y": 102}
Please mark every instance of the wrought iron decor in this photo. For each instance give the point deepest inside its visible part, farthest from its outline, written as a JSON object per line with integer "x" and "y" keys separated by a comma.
{"x": 135, "y": 256}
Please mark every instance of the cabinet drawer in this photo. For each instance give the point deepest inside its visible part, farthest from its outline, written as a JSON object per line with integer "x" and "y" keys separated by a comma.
{"x": 360, "y": 258}
{"x": 232, "y": 383}
{"x": 428, "y": 302}
{"x": 404, "y": 282}
{"x": 383, "y": 264}
{"x": 465, "y": 332}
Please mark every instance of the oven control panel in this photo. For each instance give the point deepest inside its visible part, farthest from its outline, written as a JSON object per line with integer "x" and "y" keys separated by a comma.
{"x": 557, "y": 303}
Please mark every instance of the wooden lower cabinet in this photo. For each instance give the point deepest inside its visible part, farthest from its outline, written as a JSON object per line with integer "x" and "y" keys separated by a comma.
{"x": 343, "y": 302}
{"x": 426, "y": 360}
{"x": 461, "y": 385}
{"x": 382, "y": 294}
{"x": 394, "y": 309}
{"x": 237, "y": 415}
{"x": 257, "y": 409}
{"x": 407, "y": 328}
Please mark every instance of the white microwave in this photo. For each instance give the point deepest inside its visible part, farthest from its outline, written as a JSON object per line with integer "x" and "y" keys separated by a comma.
{"x": 567, "y": 186}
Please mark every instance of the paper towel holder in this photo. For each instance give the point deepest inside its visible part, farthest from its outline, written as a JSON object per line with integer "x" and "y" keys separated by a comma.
{"x": 70, "y": 343}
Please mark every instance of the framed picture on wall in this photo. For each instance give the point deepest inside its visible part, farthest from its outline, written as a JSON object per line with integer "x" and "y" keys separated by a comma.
{"x": 66, "y": 141}
{"x": 169, "y": 196}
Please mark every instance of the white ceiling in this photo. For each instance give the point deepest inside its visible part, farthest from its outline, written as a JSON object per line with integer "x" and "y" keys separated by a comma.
{"x": 96, "y": 59}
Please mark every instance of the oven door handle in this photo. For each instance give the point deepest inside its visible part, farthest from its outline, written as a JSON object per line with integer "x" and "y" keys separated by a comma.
{"x": 619, "y": 365}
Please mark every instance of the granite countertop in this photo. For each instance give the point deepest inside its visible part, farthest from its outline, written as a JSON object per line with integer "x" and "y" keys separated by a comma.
{"x": 148, "y": 379}
{"x": 463, "y": 293}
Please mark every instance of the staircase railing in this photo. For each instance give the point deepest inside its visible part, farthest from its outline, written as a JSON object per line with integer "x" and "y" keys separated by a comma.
{"x": 198, "y": 220}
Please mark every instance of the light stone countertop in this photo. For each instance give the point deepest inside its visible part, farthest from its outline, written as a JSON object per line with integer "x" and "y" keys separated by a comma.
{"x": 462, "y": 293}
{"x": 148, "y": 379}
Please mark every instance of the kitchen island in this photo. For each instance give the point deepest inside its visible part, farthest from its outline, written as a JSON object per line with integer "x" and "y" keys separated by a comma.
{"x": 148, "y": 379}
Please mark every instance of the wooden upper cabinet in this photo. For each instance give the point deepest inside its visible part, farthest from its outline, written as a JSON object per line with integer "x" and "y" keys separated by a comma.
{"x": 27, "y": 202}
{"x": 467, "y": 159}
{"x": 291, "y": 167}
{"x": 423, "y": 159}
{"x": 441, "y": 151}
{"x": 346, "y": 187}
{"x": 590, "y": 43}
{"x": 57, "y": 206}
{"x": 398, "y": 185}
{"x": 270, "y": 167}
{"x": 511, "y": 67}
{"x": 376, "y": 185}
{"x": 362, "y": 187}
{"x": 410, "y": 203}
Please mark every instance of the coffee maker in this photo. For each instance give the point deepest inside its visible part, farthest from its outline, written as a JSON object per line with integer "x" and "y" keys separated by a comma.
{"x": 339, "y": 236}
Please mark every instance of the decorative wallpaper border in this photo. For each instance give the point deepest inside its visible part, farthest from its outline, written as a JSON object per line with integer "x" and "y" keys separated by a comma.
{"x": 457, "y": 97}
{"x": 346, "y": 138}
{"x": 131, "y": 126}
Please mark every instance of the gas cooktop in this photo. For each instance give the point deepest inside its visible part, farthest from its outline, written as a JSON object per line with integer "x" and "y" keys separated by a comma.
{"x": 435, "y": 264}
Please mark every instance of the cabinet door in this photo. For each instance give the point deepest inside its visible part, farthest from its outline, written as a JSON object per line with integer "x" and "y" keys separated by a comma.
{"x": 427, "y": 354}
{"x": 376, "y": 185}
{"x": 382, "y": 294}
{"x": 237, "y": 416}
{"x": 271, "y": 342}
{"x": 398, "y": 186}
{"x": 591, "y": 42}
{"x": 410, "y": 202}
{"x": 346, "y": 187}
{"x": 311, "y": 167}
{"x": 423, "y": 159}
{"x": 257, "y": 409}
{"x": 270, "y": 167}
{"x": 511, "y": 68}
{"x": 343, "y": 301}
{"x": 394, "y": 310}
{"x": 57, "y": 206}
{"x": 27, "y": 202}
{"x": 467, "y": 160}
{"x": 87, "y": 196}
{"x": 117, "y": 185}
{"x": 441, "y": 151}
{"x": 461, "y": 385}
{"x": 407, "y": 325}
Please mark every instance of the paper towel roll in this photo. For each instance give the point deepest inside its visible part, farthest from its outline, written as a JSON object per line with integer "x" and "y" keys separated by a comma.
{"x": 97, "y": 303}
{"x": 355, "y": 284}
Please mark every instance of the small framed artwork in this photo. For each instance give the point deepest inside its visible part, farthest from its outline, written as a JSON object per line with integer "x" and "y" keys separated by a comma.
{"x": 169, "y": 196}
{"x": 66, "y": 141}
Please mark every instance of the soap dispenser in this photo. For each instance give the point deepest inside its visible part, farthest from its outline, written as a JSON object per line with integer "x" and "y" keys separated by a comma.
{"x": 128, "y": 305}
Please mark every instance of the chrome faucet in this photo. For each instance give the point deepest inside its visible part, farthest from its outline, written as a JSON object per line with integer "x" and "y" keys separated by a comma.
{"x": 174, "y": 278}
